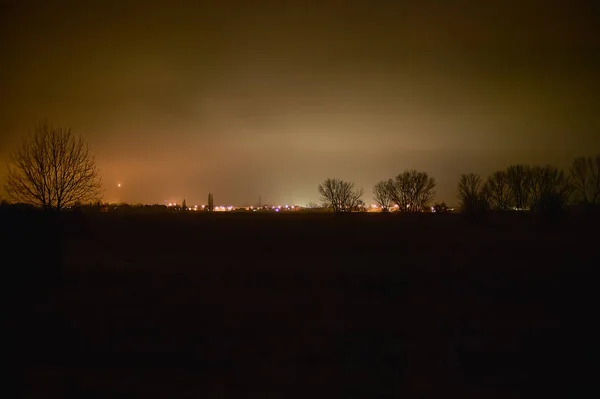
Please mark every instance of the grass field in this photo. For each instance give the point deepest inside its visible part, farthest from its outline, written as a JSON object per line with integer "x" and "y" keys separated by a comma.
{"x": 298, "y": 305}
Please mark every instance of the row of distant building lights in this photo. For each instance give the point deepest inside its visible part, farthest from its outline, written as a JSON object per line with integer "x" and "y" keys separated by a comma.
{"x": 273, "y": 208}
{"x": 231, "y": 208}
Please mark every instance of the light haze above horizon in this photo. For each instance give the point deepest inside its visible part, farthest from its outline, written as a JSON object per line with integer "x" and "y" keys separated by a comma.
{"x": 246, "y": 99}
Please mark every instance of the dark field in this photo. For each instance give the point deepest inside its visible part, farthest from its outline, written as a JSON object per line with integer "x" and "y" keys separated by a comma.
{"x": 299, "y": 305}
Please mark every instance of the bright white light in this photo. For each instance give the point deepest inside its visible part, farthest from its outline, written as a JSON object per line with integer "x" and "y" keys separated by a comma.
{"x": 277, "y": 210}
{"x": 119, "y": 185}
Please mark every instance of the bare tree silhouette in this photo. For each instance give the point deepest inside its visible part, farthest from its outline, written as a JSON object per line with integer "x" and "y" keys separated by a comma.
{"x": 519, "y": 180}
{"x": 470, "y": 193}
{"x": 550, "y": 188}
{"x": 382, "y": 195}
{"x": 424, "y": 190}
{"x": 53, "y": 169}
{"x": 585, "y": 178}
{"x": 399, "y": 191}
{"x": 497, "y": 191}
{"x": 412, "y": 190}
{"x": 340, "y": 195}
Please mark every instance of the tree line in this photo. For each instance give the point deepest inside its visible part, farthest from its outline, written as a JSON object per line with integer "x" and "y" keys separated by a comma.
{"x": 535, "y": 188}
{"x": 54, "y": 169}
{"x": 518, "y": 187}
{"x": 410, "y": 191}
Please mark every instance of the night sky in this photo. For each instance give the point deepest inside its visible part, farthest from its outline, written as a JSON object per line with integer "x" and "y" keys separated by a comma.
{"x": 247, "y": 98}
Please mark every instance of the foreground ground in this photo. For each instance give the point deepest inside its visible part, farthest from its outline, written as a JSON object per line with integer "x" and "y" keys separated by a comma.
{"x": 277, "y": 306}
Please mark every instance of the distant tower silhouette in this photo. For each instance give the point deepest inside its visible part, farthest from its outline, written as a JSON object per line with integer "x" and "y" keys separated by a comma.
{"x": 184, "y": 205}
{"x": 211, "y": 204}
{"x": 259, "y": 202}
